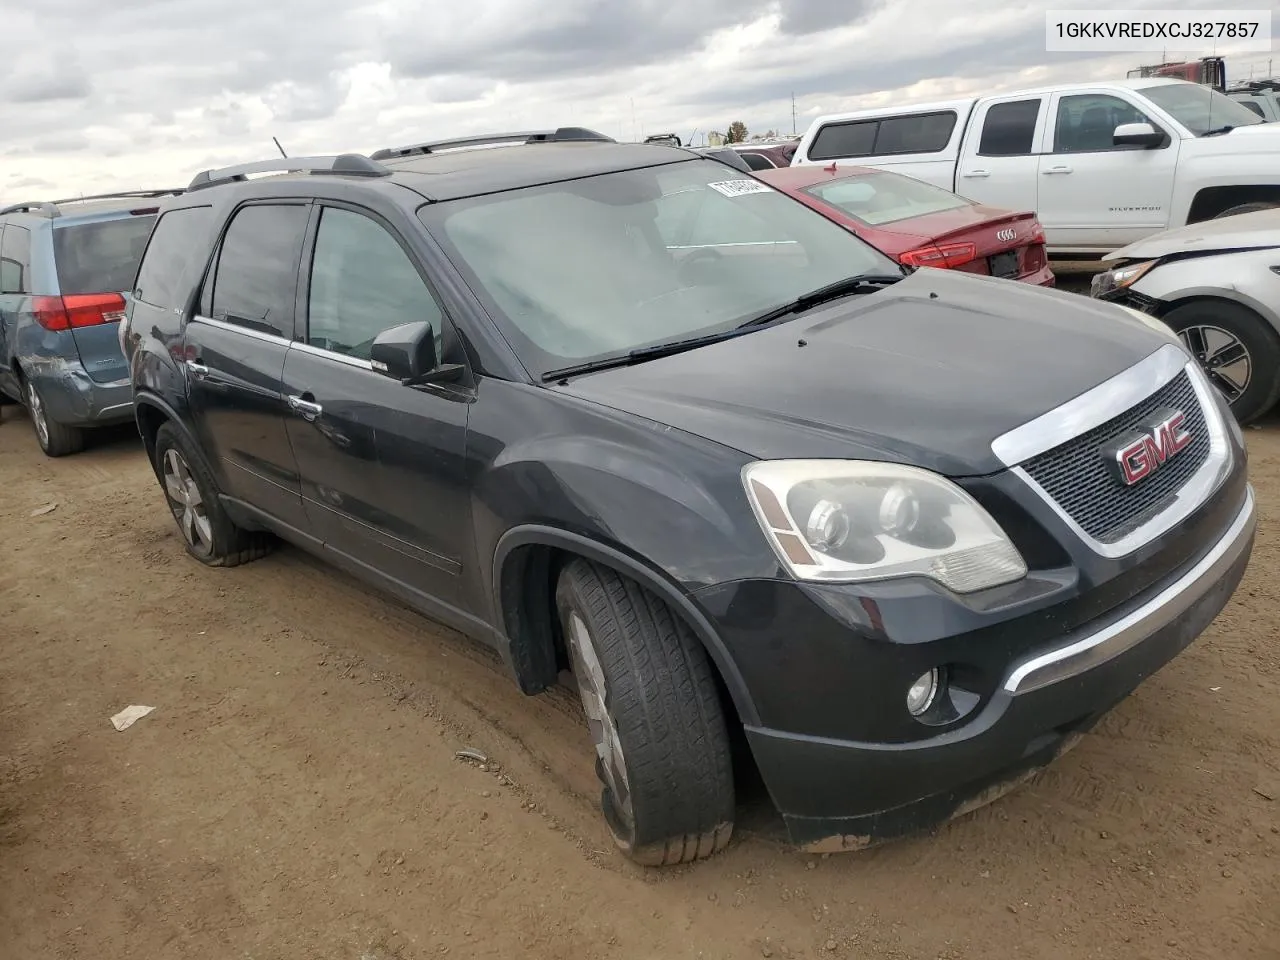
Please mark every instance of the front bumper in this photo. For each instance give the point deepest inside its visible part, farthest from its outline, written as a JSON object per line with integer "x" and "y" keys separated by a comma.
{"x": 836, "y": 793}
{"x": 74, "y": 398}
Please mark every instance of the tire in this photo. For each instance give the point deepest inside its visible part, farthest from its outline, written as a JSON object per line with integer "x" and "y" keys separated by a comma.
{"x": 649, "y": 692}
{"x": 55, "y": 439}
{"x": 1207, "y": 328}
{"x": 192, "y": 494}
{"x": 1240, "y": 208}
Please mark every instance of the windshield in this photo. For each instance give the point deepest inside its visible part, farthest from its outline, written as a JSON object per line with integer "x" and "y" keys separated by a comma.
{"x": 1199, "y": 109}
{"x": 879, "y": 198}
{"x": 597, "y": 267}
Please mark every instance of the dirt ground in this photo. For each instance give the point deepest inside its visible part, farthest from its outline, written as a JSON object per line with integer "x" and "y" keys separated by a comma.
{"x": 295, "y": 794}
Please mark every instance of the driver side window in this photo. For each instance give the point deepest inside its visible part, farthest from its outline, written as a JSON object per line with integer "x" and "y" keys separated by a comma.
{"x": 1086, "y": 122}
{"x": 362, "y": 283}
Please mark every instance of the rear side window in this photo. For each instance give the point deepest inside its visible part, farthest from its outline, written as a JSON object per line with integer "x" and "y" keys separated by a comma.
{"x": 15, "y": 260}
{"x": 884, "y": 136}
{"x": 1009, "y": 129}
{"x": 854, "y": 139}
{"x": 175, "y": 242}
{"x": 257, "y": 275}
{"x": 100, "y": 257}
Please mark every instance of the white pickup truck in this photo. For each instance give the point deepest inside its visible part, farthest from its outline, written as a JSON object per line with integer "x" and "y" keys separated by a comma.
{"x": 1102, "y": 164}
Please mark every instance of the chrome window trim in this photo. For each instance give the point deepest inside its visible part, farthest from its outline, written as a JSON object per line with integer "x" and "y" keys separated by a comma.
{"x": 1107, "y": 400}
{"x": 237, "y": 328}
{"x": 1139, "y": 624}
{"x": 333, "y": 355}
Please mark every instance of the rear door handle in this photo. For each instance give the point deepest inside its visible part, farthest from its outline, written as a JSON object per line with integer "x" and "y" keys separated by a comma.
{"x": 1060, "y": 168}
{"x": 198, "y": 370}
{"x": 307, "y": 409}
{"x": 972, "y": 174}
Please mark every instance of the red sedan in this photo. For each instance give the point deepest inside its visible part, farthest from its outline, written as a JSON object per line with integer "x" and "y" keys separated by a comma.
{"x": 920, "y": 224}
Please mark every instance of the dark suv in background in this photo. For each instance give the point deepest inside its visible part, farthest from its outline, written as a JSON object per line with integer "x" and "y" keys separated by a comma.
{"x": 64, "y": 268}
{"x": 774, "y": 487}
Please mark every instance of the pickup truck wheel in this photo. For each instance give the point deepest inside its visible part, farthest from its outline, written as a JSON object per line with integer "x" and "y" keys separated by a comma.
{"x": 207, "y": 532}
{"x": 55, "y": 439}
{"x": 647, "y": 688}
{"x": 1238, "y": 350}
{"x": 1254, "y": 207}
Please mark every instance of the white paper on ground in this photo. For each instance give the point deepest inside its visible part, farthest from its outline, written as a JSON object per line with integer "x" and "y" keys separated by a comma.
{"x": 125, "y": 718}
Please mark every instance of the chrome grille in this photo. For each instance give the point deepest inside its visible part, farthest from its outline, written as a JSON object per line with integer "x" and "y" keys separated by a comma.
{"x": 1075, "y": 474}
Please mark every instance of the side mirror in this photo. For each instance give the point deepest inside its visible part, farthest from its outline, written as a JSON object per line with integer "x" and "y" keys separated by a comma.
{"x": 1137, "y": 135}
{"x": 406, "y": 352}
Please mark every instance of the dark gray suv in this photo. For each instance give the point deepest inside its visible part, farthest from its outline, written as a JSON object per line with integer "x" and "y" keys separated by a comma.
{"x": 64, "y": 268}
{"x": 761, "y": 487}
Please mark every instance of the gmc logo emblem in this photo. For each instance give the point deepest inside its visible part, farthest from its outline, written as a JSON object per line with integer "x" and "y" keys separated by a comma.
{"x": 1005, "y": 236}
{"x": 1141, "y": 452}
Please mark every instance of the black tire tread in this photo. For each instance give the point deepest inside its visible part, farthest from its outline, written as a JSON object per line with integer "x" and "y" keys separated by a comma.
{"x": 233, "y": 545}
{"x": 669, "y": 716}
{"x": 1243, "y": 208}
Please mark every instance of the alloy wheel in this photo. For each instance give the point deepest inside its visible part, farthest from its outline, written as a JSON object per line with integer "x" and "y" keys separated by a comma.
{"x": 610, "y": 761}
{"x": 35, "y": 407}
{"x": 1223, "y": 357}
{"x": 187, "y": 502}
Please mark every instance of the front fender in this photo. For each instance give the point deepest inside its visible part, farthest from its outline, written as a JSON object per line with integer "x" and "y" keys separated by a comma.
{"x": 1244, "y": 278}
{"x": 657, "y": 504}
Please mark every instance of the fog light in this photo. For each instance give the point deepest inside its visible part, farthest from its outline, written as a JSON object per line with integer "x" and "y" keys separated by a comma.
{"x": 923, "y": 692}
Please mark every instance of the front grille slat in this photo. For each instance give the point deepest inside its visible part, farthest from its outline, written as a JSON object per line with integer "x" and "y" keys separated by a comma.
{"x": 1075, "y": 474}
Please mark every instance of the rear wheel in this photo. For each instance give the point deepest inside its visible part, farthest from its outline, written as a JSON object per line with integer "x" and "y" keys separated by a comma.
{"x": 649, "y": 693}
{"x": 1236, "y": 348}
{"x": 55, "y": 439}
{"x": 208, "y": 532}
{"x": 1254, "y": 207}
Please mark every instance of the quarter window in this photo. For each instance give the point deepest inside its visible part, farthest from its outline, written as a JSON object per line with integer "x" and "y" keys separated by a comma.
{"x": 257, "y": 276}
{"x": 1009, "y": 129}
{"x": 1086, "y": 122}
{"x": 170, "y": 251}
{"x": 362, "y": 283}
{"x": 15, "y": 260}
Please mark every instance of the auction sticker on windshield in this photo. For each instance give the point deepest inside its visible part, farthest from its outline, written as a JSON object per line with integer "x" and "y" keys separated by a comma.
{"x": 739, "y": 188}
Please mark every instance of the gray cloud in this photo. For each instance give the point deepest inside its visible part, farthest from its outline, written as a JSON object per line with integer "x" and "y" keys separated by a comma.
{"x": 68, "y": 143}
{"x": 803, "y": 17}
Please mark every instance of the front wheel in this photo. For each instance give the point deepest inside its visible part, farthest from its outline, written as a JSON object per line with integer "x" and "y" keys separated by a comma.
{"x": 649, "y": 693}
{"x": 1237, "y": 349}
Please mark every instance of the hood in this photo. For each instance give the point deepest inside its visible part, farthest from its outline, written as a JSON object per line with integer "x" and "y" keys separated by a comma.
{"x": 927, "y": 372}
{"x": 1246, "y": 231}
{"x": 1251, "y": 139}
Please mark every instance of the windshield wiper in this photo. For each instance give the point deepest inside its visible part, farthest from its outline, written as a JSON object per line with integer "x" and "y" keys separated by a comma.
{"x": 641, "y": 354}
{"x": 862, "y": 283}
{"x": 1227, "y": 128}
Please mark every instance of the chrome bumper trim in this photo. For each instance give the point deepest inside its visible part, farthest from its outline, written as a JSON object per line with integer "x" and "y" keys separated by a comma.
{"x": 1137, "y": 625}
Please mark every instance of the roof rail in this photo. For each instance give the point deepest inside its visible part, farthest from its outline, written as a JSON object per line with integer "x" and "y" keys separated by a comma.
{"x": 41, "y": 208}
{"x": 124, "y": 195}
{"x": 347, "y": 164}
{"x": 561, "y": 135}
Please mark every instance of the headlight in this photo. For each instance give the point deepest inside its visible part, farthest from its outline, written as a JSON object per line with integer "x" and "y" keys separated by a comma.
{"x": 1119, "y": 278}
{"x": 855, "y": 520}
{"x": 1152, "y": 323}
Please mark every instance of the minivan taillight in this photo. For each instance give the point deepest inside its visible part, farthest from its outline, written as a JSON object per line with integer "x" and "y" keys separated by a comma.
{"x": 79, "y": 310}
{"x": 940, "y": 255}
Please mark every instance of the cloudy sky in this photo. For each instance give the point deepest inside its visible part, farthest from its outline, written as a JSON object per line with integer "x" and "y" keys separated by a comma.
{"x": 144, "y": 94}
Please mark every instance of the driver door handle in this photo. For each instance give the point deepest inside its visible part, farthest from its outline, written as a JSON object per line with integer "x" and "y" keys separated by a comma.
{"x": 197, "y": 370}
{"x": 1060, "y": 168}
{"x": 974, "y": 174}
{"x": 307, "y": 409}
